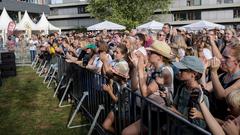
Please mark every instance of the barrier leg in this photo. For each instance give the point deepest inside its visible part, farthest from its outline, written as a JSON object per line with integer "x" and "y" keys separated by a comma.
{"x": 48, "y": 73}
{"x": 100, "y": 108}
{"x": 39, "y": 67}
{"x": 52, "y": 76}
{"x": 64, "y": 94}
{"x": 35, "y": 64}
{"x": 85, "y": 94}
{"x": 59, "y": 84}
{"x": 42, "y": 70}
{"x": 34, "y": 61}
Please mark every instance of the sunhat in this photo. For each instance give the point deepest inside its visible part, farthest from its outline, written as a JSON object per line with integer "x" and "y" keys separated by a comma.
{"x": 161, "y": 48}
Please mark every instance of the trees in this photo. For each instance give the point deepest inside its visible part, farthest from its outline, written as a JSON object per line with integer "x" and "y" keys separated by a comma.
{"x": 127, "y": 12}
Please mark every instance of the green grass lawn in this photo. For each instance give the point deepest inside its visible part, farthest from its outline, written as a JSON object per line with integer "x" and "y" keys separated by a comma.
{"x": 27, "y": 107}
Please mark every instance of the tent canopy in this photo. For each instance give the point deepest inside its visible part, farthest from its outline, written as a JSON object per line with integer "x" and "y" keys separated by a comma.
{"x": 106, "y": 25}
{"x": 153, "y": 25}
{"x": 26, "y": 23}
{"x": 44, "y": 24}
{"x": 203, "y": 24}
{"x": 4, "y": 19}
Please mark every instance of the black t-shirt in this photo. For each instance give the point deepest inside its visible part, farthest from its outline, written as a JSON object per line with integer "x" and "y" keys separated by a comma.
{"x": 82, "y": 54}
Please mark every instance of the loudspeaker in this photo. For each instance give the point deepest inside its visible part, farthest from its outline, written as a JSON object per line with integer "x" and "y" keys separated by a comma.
{"x": 8, "y": 70}
{"x": 1, "y": 80}
{"x": 8, "y": 57}
{"x": 8, "y": 65}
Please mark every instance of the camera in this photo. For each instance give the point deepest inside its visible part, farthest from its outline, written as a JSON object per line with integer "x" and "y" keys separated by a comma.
{"x": 193, "y": 101}
{"x": 158, "y": 74}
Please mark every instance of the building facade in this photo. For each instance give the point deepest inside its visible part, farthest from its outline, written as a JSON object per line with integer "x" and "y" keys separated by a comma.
{"x": 16, "y": 8}
{"x": 71, "y": 14}
{"x": 184, "y": 12}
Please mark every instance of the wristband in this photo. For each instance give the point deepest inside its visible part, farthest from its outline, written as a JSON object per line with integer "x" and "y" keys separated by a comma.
{"x": 202, "y": 100}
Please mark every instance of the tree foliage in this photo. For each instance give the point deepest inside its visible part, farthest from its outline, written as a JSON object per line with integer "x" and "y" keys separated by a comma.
{"x": 127, "y": 12}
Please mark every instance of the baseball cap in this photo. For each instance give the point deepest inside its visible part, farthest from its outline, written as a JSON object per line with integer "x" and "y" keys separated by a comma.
{"x": 91, "y": 46}
{"x": 190, "y": 62}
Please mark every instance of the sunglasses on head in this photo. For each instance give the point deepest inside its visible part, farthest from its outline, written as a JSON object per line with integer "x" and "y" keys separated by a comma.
{"x": 136, "y": 38}
{"x": 161, "y": 35}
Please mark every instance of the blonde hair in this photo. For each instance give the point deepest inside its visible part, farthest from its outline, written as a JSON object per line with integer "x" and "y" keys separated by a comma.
{"x": 83, "y": 44}
{"x": 232, "y": 31}
{"x": 234, "y": 99}
{"x": 181, "y": 43}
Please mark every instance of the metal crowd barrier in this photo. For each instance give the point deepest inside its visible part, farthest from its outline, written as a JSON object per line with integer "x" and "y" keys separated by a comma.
{"x": 166, "y": 121}
{"x": 85, "y": 87}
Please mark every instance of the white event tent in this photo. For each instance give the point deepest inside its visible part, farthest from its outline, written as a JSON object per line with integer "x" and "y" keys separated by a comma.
{"x": 5, "y": 19}
{"x": 106, "y": 25}
{"x": 45, "y": 25}
{"x": 203, "y": 24}
{"x": 153, "y": 25}
{"x": 26, "y": 23}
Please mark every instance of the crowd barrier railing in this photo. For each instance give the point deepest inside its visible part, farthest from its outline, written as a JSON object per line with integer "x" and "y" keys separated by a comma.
{"x": 85, "y": 87}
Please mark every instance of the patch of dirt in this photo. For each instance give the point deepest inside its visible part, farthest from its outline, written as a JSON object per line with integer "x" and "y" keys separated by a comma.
{"x": 44, "y": 126}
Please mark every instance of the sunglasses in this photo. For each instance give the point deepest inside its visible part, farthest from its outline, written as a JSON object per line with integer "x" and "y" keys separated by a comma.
{"x": 161, "y": 35}
{"x": 185, "y": 70}
{"x": 137, "y": 38}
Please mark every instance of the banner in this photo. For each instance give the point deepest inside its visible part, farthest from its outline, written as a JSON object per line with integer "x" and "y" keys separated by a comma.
{"x": 11, "y": 27}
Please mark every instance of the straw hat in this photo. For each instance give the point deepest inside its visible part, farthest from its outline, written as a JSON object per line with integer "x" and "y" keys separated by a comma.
{"x": 161, "y": 48}
{"x": 121, "y": 69}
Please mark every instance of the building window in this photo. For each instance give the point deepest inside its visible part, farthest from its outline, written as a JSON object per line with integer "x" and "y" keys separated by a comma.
{"x": 236, "y": 13}
{"x": 228, "y": 1}
{"x": 194, "y": 2}
{"x": 219, "y": 1}
{"x": 224, "y": 1}
{"x": 55, "y": 1}
{"x": 184, "y": 16}
{"x": 82, "y": 10}
{"x": 54, "y": 12}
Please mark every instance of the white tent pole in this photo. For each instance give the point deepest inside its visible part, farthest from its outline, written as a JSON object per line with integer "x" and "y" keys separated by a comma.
{"x": 4, "y": 37}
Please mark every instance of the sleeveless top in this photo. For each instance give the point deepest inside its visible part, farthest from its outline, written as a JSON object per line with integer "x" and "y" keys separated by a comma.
{"x": 156, "y": 95}
{"x": 219, "y": 107}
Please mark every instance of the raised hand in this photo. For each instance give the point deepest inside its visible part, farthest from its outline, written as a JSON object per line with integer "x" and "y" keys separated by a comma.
{"x": 231, "y": 128}
{"x": 142, "y": 62}
{"x": 107, "y": 88}
{"x": 195, "y": 114}
{"x": 103, "y": 57}
{"x": 163, "y": 94}
{"x": 159, "y": 80}
{"x": 200, "y": 95}
{"x": 215, "y": 64}
{"x": 134, "y": 59}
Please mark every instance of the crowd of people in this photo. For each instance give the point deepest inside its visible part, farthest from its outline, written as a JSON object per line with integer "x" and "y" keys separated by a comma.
{"x": 25, "y": 48}
{"x": 194, "y": 74}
